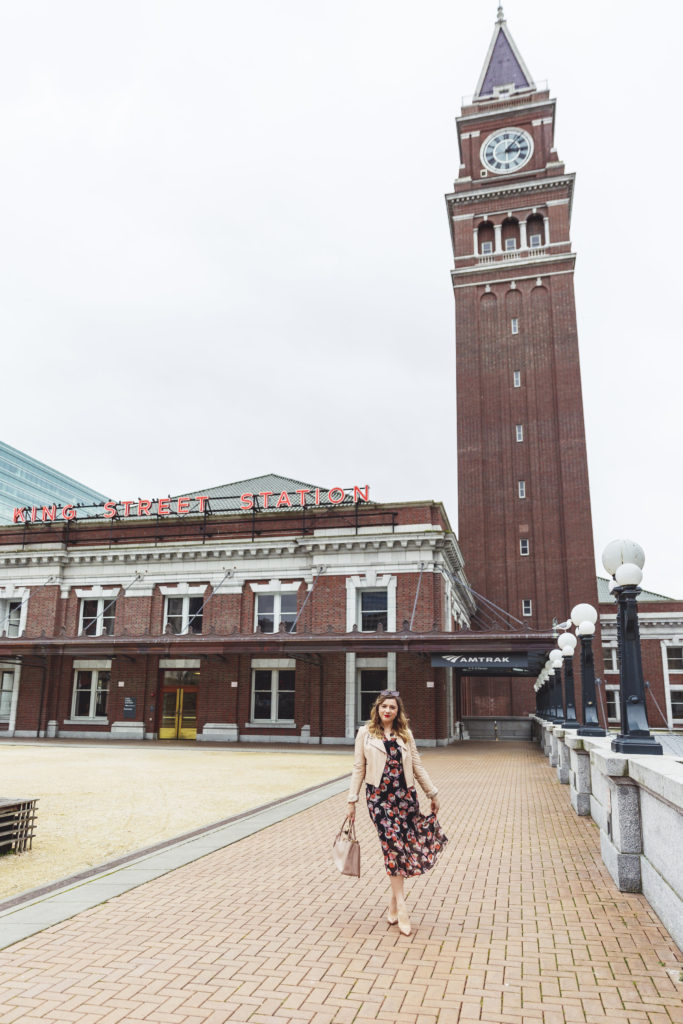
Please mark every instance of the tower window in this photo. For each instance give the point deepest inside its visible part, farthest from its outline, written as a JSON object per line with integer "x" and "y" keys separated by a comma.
{"x": 514, "y": 325}
{"x": 486, "y": 248}
{"x": 526, "y": 606}
{"x": 519, "y": 432}
{"x": 523, "y": 546}
{"x": 521, "y": 488}
{"x": 517, "y": 379}
{"x": 510, "y": 244}
{"x": 535, "y": 242}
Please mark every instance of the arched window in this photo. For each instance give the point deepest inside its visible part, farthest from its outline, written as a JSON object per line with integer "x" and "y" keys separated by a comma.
{"x": 486, "y": 238}
{"x": 534, "y": 231}
{"x": 510, "y": 234}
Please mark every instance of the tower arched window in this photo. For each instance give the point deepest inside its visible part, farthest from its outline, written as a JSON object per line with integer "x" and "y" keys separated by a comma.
{"x": 510, "y": 234}
{"x": 486, "y": 239}
{"x": 534, "y": 231}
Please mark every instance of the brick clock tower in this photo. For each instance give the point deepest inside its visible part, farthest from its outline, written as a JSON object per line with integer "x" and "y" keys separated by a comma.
{"x": 524, "y": 516}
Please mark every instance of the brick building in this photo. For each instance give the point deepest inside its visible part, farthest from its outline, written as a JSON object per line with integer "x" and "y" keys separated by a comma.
{"x": 265, "y": 610}
{"x": 524, "y": 515}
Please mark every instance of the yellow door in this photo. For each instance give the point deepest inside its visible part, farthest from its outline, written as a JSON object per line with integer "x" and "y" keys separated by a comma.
{"x": 178, "y": 714}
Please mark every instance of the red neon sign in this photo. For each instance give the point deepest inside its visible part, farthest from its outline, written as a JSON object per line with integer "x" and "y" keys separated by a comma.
{"x": 259, "y": 500}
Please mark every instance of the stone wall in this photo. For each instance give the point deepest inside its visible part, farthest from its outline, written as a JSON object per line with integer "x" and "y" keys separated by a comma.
{"x": 637, "y": 803}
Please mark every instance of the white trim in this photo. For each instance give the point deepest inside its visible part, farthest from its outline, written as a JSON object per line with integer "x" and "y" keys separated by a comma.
{"x": 278, "y": 663}
{"x": 172, "y": 663}
{"x": 93, "y": 691}
{"x": 268, "y": 723}
{"x": 183, "y": 590}
{"x": 15, "y": 668}
{"x": 97, "y": 592}
{"x": 276, "y": 587}
{"x": 350, "y": 701}
{"x": 185, "y": 617}
{"x": 92, "y": 664}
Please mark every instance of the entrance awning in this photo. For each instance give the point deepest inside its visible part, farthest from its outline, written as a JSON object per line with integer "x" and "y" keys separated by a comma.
{"x": 493, "y": 663}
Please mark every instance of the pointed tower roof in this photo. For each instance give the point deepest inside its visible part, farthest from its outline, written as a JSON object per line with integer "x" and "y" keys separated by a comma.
{"x": 504, "y": 65}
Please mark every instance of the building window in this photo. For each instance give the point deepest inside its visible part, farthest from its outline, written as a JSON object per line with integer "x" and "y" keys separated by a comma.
{"x": 6, "y": 688}
{"x": 90, "y": 693}
{"x": 373, "y": 610}
{"x": 674, "y": 659}
{"x": 510, "y": 244}
{"x": 486, "y": 248}
{"x": 519, "y": 432}
{"x": 611, "y": 660}
{"x": 523, "y": 546}
{"x": 526, "y": 606}
{"x": 10, "y": 617}
{"x": 272, "y": 699}
{"x": 677, "y": 703}
{"x": 521, "y": 488}
{"x": 97, "y": 616}
{"x": 534, "y": 241}
{"x": 183, "y": 614}
{"x": 514, "y": 325}
{"x": 517, "y": 379}
{"x": 612, "y": 701}
{"x": 274, "y": 609}
{"x": 372, "y": 682}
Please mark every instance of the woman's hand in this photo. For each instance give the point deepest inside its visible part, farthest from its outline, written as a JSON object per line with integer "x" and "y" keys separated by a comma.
{"x": 435, "y": 805}
{"x": 351, "y": 810}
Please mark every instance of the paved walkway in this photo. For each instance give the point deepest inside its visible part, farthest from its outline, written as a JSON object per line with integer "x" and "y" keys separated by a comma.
{"x": 519, "y": 922}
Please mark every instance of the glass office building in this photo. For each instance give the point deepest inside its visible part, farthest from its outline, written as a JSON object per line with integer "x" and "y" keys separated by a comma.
{"x": 25, "y": 482}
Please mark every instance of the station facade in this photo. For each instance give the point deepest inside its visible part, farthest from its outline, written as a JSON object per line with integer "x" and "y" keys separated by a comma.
{"x": 278, "y": 622}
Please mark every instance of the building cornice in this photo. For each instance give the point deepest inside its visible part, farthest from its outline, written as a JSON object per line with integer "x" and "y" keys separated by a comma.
{"x": 517, "y": 186}
{"x": 504, "y": 108}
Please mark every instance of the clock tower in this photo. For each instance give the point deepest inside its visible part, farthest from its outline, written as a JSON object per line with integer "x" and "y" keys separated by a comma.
{"x": 524, "y": 516}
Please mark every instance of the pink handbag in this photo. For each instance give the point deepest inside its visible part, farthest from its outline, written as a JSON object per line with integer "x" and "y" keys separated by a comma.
{"x": 346, "y": 849}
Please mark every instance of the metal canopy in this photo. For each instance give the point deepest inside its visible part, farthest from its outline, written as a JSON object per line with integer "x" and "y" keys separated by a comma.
{"x": 282, "y": 644}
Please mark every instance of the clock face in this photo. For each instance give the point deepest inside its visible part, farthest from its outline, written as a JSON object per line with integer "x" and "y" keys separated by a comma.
{"x": 507, "y": 150}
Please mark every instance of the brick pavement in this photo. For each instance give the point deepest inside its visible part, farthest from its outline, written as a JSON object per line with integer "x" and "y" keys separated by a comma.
{"x": 519, "y": 922}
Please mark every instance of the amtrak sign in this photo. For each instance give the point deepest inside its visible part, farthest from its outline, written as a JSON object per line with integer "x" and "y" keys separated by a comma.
{"x": 484, "y": 664}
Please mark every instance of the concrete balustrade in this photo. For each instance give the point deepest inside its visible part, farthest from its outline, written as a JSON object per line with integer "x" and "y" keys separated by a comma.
{"x": 637, "y": 803}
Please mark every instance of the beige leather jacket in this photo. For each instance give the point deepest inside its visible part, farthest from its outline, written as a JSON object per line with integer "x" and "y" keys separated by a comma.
{"x": 370, "y": 758}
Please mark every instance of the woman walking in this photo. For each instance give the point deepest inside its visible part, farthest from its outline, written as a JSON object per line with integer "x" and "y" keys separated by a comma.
{"x": 387, "y": 759}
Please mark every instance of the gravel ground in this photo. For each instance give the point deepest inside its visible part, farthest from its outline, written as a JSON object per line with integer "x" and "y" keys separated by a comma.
{"x": 96, "y": 803}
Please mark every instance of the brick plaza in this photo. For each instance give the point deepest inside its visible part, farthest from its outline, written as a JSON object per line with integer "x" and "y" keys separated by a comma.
{"x": 518, "y": 922}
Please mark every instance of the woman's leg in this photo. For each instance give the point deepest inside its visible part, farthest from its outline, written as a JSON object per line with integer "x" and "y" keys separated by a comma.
{"x": 398, "y": 904}
{"x": 397, "y": 896}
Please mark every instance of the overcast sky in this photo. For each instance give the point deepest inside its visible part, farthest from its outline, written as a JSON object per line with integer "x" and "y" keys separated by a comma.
{"x": 224, "y": 245}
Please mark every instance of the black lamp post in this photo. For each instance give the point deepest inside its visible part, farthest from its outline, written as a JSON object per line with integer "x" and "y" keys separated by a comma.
{"x": 566, "y": 642}
{"x": 584, "y": 617}
{"x": 570, "y": 721}
{"x": 624, "y": 560}
{"x": 556, "y": 685}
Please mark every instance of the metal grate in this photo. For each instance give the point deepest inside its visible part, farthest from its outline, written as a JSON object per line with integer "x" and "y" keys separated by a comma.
{"x": 17, "y": 825}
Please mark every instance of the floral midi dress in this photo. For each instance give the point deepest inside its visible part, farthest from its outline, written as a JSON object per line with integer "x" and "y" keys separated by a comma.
{"x": 410, "y": 841}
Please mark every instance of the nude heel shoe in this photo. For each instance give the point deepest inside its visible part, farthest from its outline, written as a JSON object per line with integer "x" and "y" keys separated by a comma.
{"x": 392, "y": 918}
{"x": 403, "y": 921}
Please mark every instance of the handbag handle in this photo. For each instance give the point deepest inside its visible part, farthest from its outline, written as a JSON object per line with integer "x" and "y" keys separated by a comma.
{"x": 350, "y": 828}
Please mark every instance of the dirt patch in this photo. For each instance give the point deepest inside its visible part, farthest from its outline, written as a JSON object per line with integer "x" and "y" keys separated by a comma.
{"x": 96, "y": 803}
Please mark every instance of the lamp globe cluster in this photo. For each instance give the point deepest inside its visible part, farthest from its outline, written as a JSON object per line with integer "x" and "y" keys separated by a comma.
{"x": 624, "y": 561}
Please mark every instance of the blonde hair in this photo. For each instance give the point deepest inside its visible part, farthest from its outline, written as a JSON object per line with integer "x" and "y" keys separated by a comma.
{"x": 401, "y": 722}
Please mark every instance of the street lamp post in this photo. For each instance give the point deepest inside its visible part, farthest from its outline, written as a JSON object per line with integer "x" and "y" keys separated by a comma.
{"x": 624, "y": 560}
{"x": 584, "y": 617}
{"x": 567, "y": 644}
{"x": 555, "y": 659}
